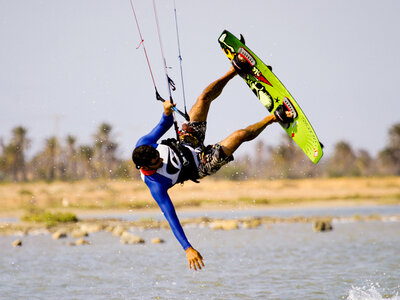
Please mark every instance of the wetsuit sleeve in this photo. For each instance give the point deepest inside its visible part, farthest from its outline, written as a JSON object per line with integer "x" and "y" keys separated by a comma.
{"x": 158, "y": 189}
{"x": 157, "y": 132}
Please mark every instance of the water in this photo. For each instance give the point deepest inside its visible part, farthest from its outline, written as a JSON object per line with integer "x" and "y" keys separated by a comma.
{"x": 355, "y": 261}
{"x": 133, "y": 215}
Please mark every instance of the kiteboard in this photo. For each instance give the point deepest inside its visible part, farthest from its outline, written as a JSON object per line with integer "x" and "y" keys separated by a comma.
{"x": 272, "y": 93}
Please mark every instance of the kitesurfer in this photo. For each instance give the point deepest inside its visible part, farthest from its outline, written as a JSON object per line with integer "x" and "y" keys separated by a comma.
{"x": 164, "y": 164}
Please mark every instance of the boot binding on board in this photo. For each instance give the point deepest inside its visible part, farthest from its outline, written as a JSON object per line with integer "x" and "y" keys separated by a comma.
{"x": 241, "y": 65}
{"x": 280, "y": 114}
{"x": 243, "y": 41}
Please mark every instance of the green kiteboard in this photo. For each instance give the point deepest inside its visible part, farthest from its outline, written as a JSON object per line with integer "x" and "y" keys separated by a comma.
{"x": 271, "y": 92}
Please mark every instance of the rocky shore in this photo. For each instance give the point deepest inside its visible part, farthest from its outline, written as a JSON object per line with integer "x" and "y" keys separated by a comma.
{"x": 82, "y": 229}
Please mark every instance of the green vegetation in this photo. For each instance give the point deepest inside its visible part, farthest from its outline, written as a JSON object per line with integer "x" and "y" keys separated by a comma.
{"x": 248, "y": 200}
{"x": 65, "y": 160}
{"x": 49, "y": 218}
{"x": 146, "y": 219}
{"x": 24, "y": 192}
{"x": 62, "y": 160}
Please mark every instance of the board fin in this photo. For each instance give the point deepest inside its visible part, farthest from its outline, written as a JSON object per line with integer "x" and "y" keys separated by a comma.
{"x": 241, "y": 39}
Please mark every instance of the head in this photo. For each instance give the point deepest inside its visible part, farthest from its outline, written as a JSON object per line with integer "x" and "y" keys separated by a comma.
{"x": 146, "y": 157}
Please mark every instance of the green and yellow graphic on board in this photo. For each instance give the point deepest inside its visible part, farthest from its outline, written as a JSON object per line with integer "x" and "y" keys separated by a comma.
{"x": 272, "y": 93}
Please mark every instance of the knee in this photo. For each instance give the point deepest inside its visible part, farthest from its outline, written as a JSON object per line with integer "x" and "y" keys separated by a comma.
{"x": 204, "y": 99}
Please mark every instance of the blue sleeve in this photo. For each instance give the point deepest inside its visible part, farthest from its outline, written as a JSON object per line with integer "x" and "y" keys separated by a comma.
{"x": 161, "y": 128}
{"x": 158, "y": 186}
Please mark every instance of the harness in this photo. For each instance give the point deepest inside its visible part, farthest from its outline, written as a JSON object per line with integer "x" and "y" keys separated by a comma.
{"x": 185, "y": 156}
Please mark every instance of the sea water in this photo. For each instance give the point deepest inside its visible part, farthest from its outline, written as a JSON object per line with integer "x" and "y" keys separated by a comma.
{"x": 357, "y": 260}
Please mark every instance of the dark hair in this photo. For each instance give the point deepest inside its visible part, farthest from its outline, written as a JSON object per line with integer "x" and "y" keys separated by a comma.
{"x": 143, "y": 155}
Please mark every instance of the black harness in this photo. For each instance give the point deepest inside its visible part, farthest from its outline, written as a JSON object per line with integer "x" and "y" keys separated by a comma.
{"x": 185, "y": 155}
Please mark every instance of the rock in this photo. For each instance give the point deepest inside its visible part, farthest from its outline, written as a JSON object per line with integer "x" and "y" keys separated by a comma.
{"x": 252, "y": 223}
{"x": 118, "y": 230}
{"x": 79, "y": 233}
{"x": 92, "y": 228}
{"x": 157, "y": 240}
{"x": 17, "y": 243}
{"x": 225, "y": 224}
{"x": 60, "y": 234}
{"x": 81, "y": 241}
{"x": 322, "y": 225}
{"x": 71, "y": 244}
{"x": 109, "y": 228}
{"x": 129, "y": 238}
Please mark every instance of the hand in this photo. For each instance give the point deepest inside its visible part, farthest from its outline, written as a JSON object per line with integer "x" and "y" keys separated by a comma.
{"x": 194, "y": 258}
{"x": 168, "y": 107}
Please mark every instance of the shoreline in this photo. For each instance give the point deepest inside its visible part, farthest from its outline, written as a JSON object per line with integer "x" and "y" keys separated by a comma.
{"x": 99, "y": 212}
{"x": 119, "y": 227}
{"x": 220, "y": 217}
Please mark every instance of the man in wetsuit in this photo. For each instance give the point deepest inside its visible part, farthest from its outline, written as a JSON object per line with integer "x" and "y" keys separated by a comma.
{"x": 164, "y": 164}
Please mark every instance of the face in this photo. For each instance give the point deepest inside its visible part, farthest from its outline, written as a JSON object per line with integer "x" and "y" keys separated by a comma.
{"x": 155, "y": 163}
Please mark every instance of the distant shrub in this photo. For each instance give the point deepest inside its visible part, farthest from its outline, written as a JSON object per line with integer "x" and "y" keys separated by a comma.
{"x": 49, "y": 218}
{"x": 25, "y": 192}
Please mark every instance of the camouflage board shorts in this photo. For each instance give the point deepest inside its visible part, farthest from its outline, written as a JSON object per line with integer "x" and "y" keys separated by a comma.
{"x": 212, "y": 157}
{"x": 193, "y": 134}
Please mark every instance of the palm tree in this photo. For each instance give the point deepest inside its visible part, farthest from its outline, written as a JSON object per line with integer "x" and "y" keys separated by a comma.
{"x": 105, "y": 149}
{"x": 394, "y": 136}
{"x": 19, "y": 144}
{"x": 287, "y": 160}
{"x": 86, "y": 154}
{"x": 343, "y": 161}
{"x": 389, "y": 158}
{"x": 3, "y": 160}
{"x": 7, "y": 161}
{"x": 51, "y": 154}
{"x": 365, "y": 163}
{"x": 71, "y": 156}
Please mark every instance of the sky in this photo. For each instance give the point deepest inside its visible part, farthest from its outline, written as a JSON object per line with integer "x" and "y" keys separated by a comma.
{"x": 68, "y": 66}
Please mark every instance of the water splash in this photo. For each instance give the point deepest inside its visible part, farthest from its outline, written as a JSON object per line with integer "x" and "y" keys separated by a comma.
{"x": 370, "y": 293}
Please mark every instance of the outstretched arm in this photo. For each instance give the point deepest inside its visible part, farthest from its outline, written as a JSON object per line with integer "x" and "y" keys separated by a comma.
{"x": 158, "y": 189}
{"x": 160, "y": 194}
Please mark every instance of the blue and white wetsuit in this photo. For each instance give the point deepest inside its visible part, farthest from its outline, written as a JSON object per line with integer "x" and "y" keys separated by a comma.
{"x": 165, "y": 177}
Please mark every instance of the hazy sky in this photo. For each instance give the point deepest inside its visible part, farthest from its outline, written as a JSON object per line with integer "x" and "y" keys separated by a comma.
{"x": 67, "y": 66}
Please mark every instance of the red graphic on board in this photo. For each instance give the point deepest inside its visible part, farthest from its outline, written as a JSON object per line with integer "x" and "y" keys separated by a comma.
{"x": 261, "y": 77}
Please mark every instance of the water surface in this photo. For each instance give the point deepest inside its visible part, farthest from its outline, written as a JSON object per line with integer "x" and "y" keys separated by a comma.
{"x": 357, "y": 260}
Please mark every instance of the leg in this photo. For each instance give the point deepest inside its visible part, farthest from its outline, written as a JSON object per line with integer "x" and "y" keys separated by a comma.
{"x": 199, "y": 111}
{"x": 233, "y": 141}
